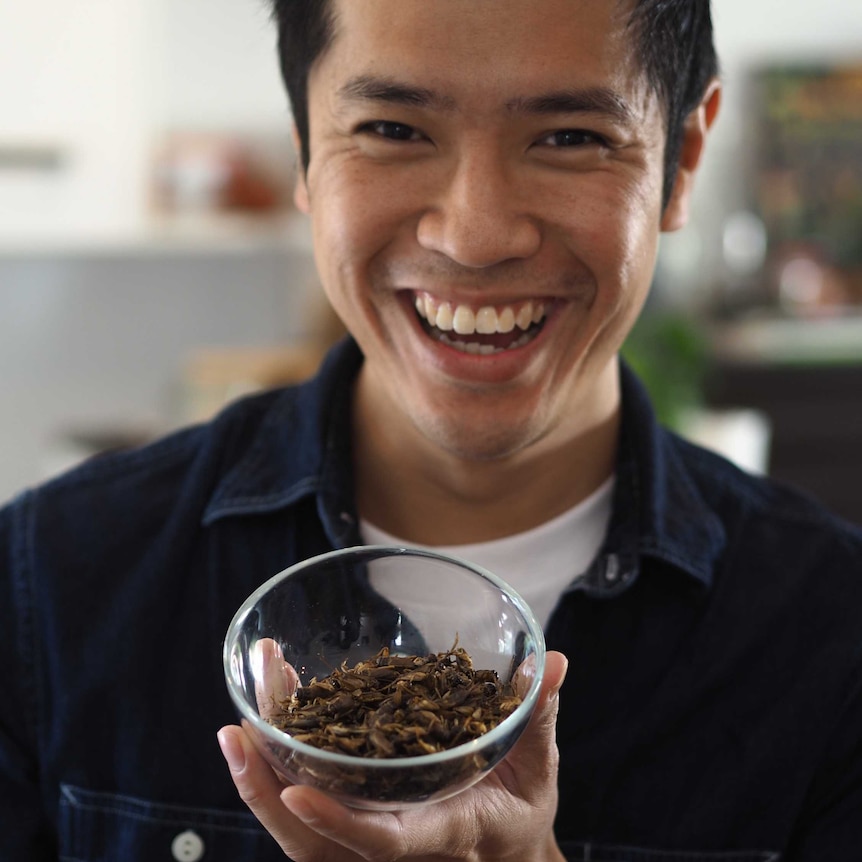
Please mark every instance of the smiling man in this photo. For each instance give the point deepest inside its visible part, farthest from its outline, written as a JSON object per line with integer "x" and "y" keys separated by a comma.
{"x": 485, "y": 187}
{"x": 487, "y": 182}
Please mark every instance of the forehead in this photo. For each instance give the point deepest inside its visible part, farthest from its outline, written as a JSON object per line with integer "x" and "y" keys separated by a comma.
{"x": 485, "y": 48}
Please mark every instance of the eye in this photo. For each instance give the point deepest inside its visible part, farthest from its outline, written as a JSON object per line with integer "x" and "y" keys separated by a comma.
{"x": 391, "y": 131}
{"x": 573, "y": 138}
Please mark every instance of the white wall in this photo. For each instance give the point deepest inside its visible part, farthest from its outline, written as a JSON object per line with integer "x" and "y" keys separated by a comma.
{"x": 219, "y": 65}
{"x": 74, "y": 77}
{"x": 101, "y": 80}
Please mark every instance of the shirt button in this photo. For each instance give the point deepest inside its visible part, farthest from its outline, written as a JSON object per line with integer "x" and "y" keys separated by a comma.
{"x": 188, "y": 846}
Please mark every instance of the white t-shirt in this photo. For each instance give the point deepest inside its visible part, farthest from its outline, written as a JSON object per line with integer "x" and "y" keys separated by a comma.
{"x": 539, "y": 563}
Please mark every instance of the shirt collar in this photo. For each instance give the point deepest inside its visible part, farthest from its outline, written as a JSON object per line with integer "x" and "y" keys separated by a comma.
{"x": 658, "y": 510}
{"x": 301, "y": 448}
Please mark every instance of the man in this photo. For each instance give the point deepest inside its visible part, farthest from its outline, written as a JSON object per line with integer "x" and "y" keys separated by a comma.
{"x": 486, "y": 182}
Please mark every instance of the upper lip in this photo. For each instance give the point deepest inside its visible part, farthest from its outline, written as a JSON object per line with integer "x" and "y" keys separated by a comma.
{"x": 479, "y": 299}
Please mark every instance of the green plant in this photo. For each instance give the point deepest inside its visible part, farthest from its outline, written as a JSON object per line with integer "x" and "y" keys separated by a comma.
{"x": 668, "y": 351}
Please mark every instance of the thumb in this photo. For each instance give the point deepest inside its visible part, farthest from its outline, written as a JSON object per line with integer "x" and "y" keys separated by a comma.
{"x": 534, "y": 758}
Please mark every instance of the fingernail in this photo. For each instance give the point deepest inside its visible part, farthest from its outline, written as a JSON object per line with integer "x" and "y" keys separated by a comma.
{"x": 555, "y": 691}
{"x": 232, "y": 750}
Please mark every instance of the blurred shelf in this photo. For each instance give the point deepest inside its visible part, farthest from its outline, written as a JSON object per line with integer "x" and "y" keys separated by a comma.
{"x": 208, "y": 235}
{"x": 833, "y": 340}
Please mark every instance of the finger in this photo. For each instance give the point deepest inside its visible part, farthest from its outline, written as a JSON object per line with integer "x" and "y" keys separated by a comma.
{"x": 274, "y": 679}
{"x": 260, "y": 789}
{"x": 522, "y": 678}
{"x": 556, "y": 666}
{"x": 326, "y": 816}
{"x": 371, "y": 834}
{"x": 530, "y": 768}
{"x": 257, "y": 784}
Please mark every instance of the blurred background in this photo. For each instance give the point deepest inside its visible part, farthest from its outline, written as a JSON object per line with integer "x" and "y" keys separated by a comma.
{"x": 152, "y": 267}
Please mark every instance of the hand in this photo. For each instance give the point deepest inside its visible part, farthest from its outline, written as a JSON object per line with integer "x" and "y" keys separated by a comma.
{"x": 508, "y": 815}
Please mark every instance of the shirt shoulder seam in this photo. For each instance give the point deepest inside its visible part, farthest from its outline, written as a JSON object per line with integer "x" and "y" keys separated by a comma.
{"x": 22, "y": 515}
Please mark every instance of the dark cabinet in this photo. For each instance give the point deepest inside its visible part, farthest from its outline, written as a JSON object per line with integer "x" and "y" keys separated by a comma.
{"x": 816, "y": 417}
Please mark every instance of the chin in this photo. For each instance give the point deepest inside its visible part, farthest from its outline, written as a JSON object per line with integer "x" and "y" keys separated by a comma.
{"x": 481, "y": 441}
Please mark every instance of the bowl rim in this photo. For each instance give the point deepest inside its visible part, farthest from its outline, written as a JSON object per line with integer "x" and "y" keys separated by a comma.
{"x": 520, "y": 714}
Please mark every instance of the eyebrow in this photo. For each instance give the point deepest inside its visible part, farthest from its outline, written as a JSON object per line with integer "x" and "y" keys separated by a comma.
{"x": 376, "y": 89}
{"x": 591, "y": 100}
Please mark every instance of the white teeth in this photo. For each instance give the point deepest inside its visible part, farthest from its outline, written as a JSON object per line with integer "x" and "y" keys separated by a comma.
{"x": 524, "y": 318}
{"x": 444, "y": 319}
{"x": 464, "y": 321}
{"x": 486, "y": 320}
{"x": 506, "y": 320}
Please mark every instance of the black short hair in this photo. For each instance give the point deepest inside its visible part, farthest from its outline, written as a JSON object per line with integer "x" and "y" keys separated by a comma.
{"x": 674, "y": 41}
{"x": 676, "y": 48}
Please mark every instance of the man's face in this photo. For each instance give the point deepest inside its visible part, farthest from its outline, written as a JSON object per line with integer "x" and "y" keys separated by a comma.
{"x": 485, "y": 194}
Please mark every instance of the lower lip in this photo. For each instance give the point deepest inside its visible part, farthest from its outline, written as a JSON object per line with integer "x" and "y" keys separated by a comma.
{"x": 491, "y": 368}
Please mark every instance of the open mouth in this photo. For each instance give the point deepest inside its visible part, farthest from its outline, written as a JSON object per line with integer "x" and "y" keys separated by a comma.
{"x": 484, "y": 331}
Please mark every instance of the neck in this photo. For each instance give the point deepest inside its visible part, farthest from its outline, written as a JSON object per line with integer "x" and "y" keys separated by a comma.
{"x": 413, "y": 489}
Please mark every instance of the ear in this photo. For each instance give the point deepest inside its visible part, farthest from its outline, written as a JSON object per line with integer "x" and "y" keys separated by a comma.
{"x": 300, "y": 189}
{"x": 694, "y": 132}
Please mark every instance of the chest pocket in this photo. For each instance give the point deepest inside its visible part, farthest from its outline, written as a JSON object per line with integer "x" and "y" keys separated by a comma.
{"x": 105, "y": 827}
{"x": 605, "y": 853}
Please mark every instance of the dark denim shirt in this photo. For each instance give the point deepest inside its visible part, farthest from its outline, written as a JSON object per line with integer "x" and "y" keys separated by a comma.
{"x": 712, "y": 709}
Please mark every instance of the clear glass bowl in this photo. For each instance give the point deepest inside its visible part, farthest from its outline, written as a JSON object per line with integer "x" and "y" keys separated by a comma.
{"x": 345, "y": 606}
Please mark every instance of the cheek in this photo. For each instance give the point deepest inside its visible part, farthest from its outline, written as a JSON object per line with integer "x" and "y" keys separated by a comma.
{"x": 615, "y": 233}
{"x": 626, "y": 230}
{"x": 354, "y": 214}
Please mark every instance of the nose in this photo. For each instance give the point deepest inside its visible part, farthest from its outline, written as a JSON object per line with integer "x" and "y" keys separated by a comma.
{"x": 477, "y": 219}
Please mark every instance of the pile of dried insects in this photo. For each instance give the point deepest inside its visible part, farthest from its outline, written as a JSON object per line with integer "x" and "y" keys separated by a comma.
{"x": 398, "y": 706}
